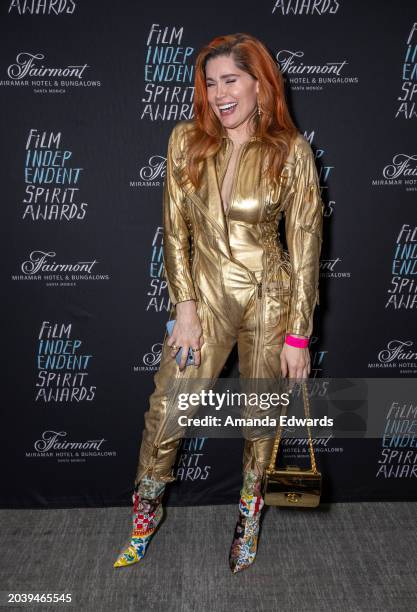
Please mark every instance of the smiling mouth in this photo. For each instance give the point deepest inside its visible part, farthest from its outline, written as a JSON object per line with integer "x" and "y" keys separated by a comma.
{"x": 227, "y": 109}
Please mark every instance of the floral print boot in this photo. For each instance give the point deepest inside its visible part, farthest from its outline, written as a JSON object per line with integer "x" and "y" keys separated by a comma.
{"x": 245, "y": 540}
{"x": 147, "y": 514}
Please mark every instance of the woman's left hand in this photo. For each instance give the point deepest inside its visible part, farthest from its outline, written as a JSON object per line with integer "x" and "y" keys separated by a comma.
{"x": 295, "y": 361}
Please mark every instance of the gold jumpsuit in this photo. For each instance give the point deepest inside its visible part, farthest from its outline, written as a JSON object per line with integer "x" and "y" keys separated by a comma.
{"x": 236, "y": 269}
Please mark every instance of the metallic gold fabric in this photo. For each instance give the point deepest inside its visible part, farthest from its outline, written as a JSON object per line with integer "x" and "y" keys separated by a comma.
{"x": 236, "y": 269}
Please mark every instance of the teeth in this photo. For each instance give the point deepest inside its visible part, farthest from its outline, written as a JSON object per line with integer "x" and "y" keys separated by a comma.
{"x": 227, "y": 106}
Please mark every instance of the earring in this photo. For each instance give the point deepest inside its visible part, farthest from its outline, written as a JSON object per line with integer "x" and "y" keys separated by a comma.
{"x": 258, "y": 110}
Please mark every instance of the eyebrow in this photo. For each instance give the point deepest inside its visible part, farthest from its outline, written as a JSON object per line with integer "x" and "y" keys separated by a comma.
{"x": 223, "y": 76}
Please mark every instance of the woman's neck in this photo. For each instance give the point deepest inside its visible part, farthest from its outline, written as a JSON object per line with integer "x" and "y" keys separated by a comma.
{"x": 240, "y": 134}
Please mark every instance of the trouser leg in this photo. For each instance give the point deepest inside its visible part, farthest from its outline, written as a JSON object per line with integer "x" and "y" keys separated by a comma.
{"x": 162, "y": 435}
{"x": 260, "y": 343}
{"x": 257, "y": 451}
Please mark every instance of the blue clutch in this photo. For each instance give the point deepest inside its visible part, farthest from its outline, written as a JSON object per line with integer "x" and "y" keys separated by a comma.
{"x": 190, "y": 358}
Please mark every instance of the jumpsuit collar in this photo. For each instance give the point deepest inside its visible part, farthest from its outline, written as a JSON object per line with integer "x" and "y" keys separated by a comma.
{"x": 226, "y": 142}
{"x": 222, "y": 155}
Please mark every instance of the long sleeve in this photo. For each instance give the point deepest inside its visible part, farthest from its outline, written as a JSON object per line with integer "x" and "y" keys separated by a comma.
{"x": 176, "y": 248}
{"x": 304, "y": 234}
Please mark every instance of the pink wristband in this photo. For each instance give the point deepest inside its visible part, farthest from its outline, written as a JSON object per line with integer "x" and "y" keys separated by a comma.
{"x": 298, "y": 342}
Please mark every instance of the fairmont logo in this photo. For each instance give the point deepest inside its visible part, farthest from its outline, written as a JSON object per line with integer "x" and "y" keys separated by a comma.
{"x": 39, "y": 267}
{"x": 402, "y": 171}
{"x": 52, "y": 440}
{"x": 151, "y": 359}
{"x": 155, "y": 168}
{"x": 290, "y": 63}
{"x": 152, "y": 174}
{"x": 37, "y": 262}
{"x": 154, "y": 356}
{"x": 53, "y": 444}
{"x": 396, "y": 349}
{"x": 26, "y": 65}
{"x": 402, "y": 165}
{"x": 309, "y": 76}
{"x": 29, "y": 71}
{"x": 397, "y": 354}
{"x": 328, "y": 268}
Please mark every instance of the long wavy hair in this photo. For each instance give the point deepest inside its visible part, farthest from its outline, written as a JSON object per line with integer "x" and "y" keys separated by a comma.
{"x": 274, "y": 126}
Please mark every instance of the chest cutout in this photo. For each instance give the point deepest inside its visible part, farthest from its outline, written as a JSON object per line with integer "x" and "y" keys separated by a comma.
{"x": 228, "y": 179}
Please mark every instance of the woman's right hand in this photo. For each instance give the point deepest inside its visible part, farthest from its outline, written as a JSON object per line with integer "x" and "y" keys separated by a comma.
{"x": 187, "y": 332}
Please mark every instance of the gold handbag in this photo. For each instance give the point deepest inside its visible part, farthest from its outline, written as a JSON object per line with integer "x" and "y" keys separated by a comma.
{"x": 291, "y": 485}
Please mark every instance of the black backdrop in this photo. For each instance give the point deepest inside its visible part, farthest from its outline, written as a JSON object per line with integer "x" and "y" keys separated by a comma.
{"x": 83, "y": 162}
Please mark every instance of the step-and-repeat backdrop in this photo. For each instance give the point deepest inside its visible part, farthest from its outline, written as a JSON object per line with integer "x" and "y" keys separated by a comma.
{"x": 90, "y": 93}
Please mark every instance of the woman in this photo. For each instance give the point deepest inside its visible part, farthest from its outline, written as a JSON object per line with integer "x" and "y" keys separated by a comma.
{"x": 232, "y": 173}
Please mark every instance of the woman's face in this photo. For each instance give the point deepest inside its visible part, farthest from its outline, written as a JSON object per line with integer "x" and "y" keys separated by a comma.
{"x": 232, "y": 93}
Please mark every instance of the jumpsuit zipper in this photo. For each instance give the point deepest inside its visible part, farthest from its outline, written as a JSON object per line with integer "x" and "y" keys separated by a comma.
{"x": 259, "y": 328}
{"x": 156, "y": 440}
{"x": 220, "y": 182}
{"x": 235, "y": 176}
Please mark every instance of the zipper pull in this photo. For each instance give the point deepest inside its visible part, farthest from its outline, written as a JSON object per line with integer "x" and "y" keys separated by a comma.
{"x": 259, "y": 290}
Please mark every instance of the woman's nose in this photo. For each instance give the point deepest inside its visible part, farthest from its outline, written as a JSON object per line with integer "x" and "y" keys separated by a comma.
{"x": 220, "y": 91}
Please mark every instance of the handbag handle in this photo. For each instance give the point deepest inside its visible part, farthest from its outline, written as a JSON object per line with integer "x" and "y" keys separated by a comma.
{"x": 310, "y": 441}
{"x": 305, "y": 400}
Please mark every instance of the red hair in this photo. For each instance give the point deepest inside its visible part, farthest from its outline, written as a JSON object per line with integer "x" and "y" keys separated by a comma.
{"x": 275, "y": 126}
